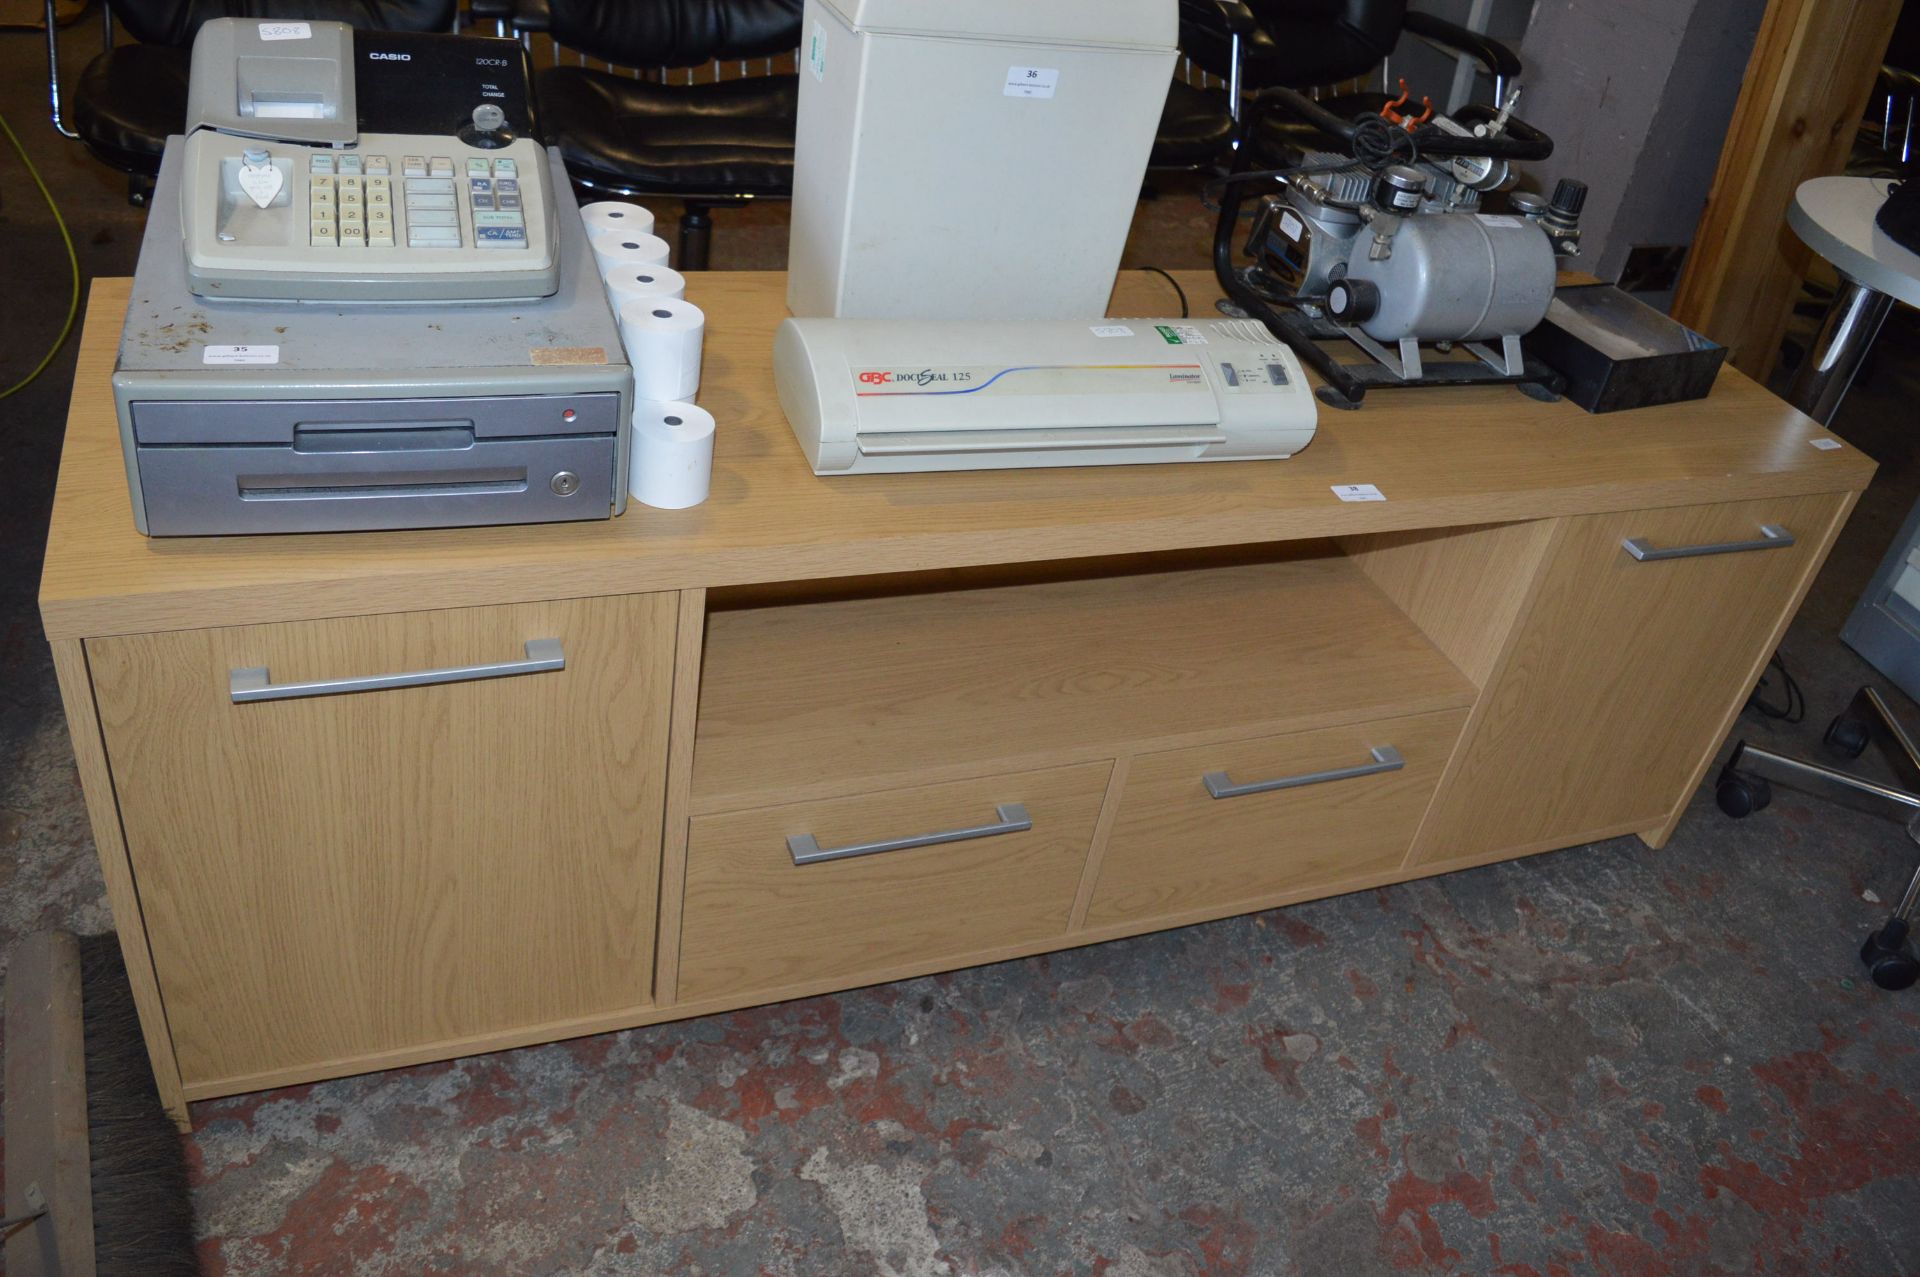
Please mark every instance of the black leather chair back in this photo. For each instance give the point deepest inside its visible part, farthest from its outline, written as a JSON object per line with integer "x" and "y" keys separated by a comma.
{"x": 176, "y": 22}
{"x": 676, "y": 33}
{"x": 1326, "y": 41}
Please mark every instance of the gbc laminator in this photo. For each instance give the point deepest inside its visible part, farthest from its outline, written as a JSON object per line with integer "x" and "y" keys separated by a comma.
{"x": 880, "y": 396}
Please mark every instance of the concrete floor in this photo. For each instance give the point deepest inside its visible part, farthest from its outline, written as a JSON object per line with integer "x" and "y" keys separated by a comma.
{"x": 1605, "y": 1060}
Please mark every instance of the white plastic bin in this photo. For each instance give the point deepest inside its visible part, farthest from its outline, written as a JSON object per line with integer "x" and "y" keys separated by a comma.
{"x": 973, "y": 160}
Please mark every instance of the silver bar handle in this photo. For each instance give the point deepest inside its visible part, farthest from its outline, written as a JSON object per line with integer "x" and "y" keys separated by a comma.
{"x": 1385, "y": 759}
{"x": 253, "y": 683}
{"x": 806, "y": 849}
{"x": 1772, "y": 537}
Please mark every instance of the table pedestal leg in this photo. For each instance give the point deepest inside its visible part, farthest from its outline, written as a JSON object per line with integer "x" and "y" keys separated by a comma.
{"x": 1846, "y": 334}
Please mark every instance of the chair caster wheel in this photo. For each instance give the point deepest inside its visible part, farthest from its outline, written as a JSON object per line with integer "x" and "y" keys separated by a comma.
{"x": 1895, "y": 972}
{"x": 1847, "y": 737}
{"x": 1740, "y": 795}
{"x": 1890, "y": 959}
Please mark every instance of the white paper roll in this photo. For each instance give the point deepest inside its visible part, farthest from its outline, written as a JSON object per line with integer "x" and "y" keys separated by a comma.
{"x": 613, "y": 217}
{"x": 672, "y": 455}
{"x": 611, "y": 252}
{"x": 630, "y": 285}
{"x": 663, "y": 345}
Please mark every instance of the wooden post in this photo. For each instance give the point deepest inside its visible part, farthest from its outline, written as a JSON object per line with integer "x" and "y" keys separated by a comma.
{"x": 47, "y": 1111}
{"x": 1807, "y": 85}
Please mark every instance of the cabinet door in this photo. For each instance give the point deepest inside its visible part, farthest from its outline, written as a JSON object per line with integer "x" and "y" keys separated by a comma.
{"x": 341, "y": 881}
{"x": 1621, "y": 673}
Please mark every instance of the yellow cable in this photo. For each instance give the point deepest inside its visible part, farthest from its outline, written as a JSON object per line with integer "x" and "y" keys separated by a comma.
{"x": 73, "y": 260}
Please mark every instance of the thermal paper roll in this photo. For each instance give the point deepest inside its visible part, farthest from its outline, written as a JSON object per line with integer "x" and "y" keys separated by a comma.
{"x": 613, "y": 217}
{"x": 672, "y": 456}
{"x": 663, "y": 345}
{"x": 632, "y": 285}
{"x": 612, "y": 253}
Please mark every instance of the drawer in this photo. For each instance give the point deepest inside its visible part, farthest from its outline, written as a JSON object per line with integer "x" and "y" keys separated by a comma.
{"x": 1347, "y": 804}
{"x": 467, "y": 847}
{"x": 924, "y": 876}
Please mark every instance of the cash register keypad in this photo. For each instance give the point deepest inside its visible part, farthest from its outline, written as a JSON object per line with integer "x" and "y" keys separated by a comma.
{"x": 352, "y": 202}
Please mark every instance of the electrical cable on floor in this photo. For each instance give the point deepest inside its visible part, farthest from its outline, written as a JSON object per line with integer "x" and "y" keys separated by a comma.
{"x": 1795, "y": 707}
{"x": 1185, "y": 313}
{"x": 73, "y": 261}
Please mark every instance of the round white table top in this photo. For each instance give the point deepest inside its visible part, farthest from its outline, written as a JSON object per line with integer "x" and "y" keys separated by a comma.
{"x": 1834, "y": 215}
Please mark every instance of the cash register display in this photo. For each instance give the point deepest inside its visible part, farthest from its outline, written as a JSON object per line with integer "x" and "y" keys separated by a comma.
{"x": 312, "y": 174}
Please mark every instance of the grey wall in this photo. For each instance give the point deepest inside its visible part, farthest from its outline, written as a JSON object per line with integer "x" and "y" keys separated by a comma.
{"x": 1636, "y": 95}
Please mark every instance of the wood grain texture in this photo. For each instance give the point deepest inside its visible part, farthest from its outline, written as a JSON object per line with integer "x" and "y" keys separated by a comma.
{"x": 46, "y": 1110}
{"x": 1461, "y": 586}
{"x": 1806, "y": 87}
{"x": 1176, "y": 848}
{"x": 1616, "y": 680}
{"x": 755, "y": 920}
{"x": 1820, "y": 544}
{"x": 1443, "y": 457}
{"x": 348, "y": 874}
{"x": 110, "y": 845}
{"x": 647, "y": 1013}
{"x": 849, "y": 696}
{"x": 1102, "y": 836}
{"x": 688, "y": 648}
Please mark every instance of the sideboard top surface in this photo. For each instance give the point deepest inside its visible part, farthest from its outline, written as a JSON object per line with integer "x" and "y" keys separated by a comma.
{"x": 1441, "y": 458}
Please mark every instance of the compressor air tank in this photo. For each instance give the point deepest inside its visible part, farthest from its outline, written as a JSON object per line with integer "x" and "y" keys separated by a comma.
{"x": 1446, "y": 277}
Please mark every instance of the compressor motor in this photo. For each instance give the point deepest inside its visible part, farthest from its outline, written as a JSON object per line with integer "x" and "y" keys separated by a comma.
{"x": 1408, "y": 255}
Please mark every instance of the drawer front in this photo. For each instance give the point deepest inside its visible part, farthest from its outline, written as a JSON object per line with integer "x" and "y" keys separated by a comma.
{"x": 757, "y": 919}
{"x": 327, "y": 875}
{"x": 1295, "y": 813}
{"x": 1637, "y": 645}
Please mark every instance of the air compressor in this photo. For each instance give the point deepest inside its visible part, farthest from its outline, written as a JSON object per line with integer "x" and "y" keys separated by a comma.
{"x": 1390, "y": 247}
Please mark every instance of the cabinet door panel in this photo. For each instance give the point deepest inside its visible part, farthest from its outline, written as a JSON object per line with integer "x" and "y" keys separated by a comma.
{"x": 330, "y": 877}
{"x": 1620, "y": 674}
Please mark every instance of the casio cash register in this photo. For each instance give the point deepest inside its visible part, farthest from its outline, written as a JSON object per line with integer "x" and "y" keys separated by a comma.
{"x": 365, "y": 298}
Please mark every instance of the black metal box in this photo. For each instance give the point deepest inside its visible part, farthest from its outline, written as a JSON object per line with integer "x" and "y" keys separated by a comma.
{"x": 1617, "y": 353}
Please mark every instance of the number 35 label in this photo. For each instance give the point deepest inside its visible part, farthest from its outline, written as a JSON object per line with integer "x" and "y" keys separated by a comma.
{"x": 1031, "y": 82}
{"x": 218, "y": 355}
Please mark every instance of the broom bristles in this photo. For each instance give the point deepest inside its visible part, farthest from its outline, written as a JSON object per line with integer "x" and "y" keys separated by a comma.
{"x": 142, "y": 1205}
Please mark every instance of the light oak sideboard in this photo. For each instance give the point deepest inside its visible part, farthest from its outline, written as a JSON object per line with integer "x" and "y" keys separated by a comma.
{"x": 818, "y": 733}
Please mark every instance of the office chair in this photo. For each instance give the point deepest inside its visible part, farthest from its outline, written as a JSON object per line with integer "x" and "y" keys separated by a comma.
{"x": 1307, "y": 44}
{"x": 131, "y": 96}
{"x": 1746, "y": 783}
{"x": 1197, "y": 125}
{"x": 721, "y": 142}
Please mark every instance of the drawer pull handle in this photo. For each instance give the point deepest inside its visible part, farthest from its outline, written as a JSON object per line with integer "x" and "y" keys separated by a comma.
{"x": 806, "y": 849}
{"x": 1385, "y": 759}
{"x": 1772, "y": 537}
{"x": 252, "y": 684}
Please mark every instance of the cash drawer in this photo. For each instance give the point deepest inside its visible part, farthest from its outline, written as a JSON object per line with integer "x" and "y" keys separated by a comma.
{"x": 882, "y": 885}
{"x": 1223, "y": 828}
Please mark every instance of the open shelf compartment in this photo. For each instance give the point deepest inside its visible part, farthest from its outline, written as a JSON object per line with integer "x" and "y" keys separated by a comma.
{"x": 856, "y": 692}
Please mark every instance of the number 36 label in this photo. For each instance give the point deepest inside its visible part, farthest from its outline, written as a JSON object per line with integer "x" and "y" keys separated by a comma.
{"x": 1031, "y": 82}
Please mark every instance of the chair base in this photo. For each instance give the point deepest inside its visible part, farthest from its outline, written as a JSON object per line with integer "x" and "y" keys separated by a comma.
{"x": 1746, "y": 784}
